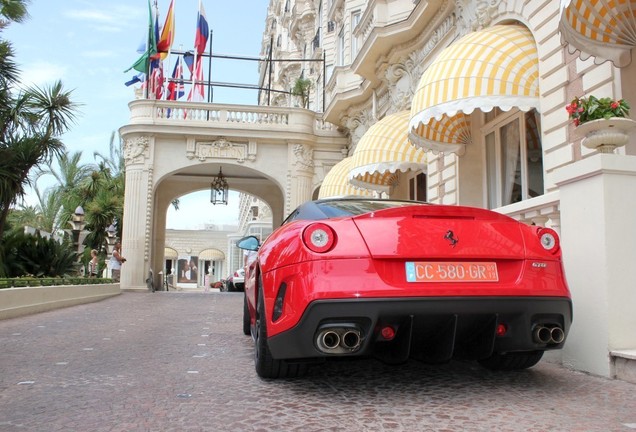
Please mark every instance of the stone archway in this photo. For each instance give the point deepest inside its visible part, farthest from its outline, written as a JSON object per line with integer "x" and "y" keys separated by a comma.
{"x": 173, "y": 148}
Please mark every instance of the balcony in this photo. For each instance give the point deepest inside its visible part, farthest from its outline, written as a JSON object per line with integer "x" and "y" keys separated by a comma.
{"x": 237, "y": 120}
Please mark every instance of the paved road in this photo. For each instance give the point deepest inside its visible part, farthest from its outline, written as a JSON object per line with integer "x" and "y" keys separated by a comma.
{"x": 179, "y": 362}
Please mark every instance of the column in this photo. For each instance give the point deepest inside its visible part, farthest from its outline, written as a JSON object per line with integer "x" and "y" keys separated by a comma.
{"x": 598, "y": 210}
{"x": 301, "y": 168}
{"x": 137, "y": 214}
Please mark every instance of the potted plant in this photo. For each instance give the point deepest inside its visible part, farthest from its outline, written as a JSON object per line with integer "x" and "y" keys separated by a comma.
{"x": 601, "y": 122}
{"x": 301, "y": 88}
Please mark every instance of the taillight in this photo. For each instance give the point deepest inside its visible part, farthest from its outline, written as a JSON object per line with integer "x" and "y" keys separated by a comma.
{"x": 549, "y": 239}
{"x": 319, "y": 237}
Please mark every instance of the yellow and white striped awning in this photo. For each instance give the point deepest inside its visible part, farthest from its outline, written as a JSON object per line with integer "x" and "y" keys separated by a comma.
{"x": 605, "y": 29}
{"x": 384, "y": 150}
{"x": 169, "y": 253}
{"x": 211, "y": 255}
{"x": 336, "y": 182}
{"x": 494, "y": 67}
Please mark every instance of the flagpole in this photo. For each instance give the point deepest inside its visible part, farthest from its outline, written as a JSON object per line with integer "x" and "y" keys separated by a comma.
{"x": 148, "y": 42}
{"x": 210, "y": 88}
{"x": 196, "y": 55}
{"x": 174, "y": 5}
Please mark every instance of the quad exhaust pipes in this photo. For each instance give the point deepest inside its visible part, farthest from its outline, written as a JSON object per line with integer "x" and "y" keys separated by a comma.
{"x": 548, "y": 335}
{"x": 339, "y": 339}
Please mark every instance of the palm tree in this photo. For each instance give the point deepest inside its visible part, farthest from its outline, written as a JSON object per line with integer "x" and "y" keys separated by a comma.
{"x": 45, "y": 215}
{"x": 29, "y": 127}
{"x": 70, "y": 175}
{"x": 30, "y": 122}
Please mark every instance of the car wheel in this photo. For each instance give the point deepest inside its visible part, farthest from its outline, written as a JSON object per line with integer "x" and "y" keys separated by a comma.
{"x": 512, "y": 361}
{"x": 246, "y": 317}
{"x": 266, "y": 366}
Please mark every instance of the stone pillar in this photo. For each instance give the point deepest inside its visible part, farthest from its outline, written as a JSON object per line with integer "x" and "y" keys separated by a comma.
{"x": 301, "y": 171}
{"x": 137, "y": 213}
{"x": 598, "y": 210}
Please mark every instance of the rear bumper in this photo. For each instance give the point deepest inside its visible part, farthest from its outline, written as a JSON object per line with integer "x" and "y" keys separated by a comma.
{"x": 430, "y": 329}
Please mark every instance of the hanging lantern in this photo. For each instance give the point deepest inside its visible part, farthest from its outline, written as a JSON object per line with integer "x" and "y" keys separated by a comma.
{"x": 219, "y": 189}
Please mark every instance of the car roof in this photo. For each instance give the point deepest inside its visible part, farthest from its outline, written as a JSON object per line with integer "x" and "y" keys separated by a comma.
{"x": 343, "y": 206}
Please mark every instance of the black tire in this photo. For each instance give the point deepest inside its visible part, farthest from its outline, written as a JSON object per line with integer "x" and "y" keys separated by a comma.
{"x": 266, "y": 366}
{"x": 512, "y": 361}
{"x": 246, "y": 317}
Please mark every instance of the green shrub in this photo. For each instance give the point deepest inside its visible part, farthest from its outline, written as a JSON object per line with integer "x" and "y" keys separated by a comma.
{"x": 24, "y": 254}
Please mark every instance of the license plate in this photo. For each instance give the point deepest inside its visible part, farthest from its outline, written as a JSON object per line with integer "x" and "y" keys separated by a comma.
{"x": 424, "y": 271}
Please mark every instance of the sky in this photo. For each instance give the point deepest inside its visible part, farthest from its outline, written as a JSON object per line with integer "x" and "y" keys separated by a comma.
{"x": 87, "y": 44}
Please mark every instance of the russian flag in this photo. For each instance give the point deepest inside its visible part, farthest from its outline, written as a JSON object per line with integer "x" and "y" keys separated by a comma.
{"x": 201, "y": 37}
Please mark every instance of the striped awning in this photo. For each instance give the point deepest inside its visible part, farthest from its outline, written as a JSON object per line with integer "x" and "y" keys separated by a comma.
{"x": 211, "y": 255}
{"x": 336, "y": 182}
{"x": 605, "y": 29}
{"x": 494, "y": 67}
{"x": 169, "y": 253}
{"x": 384, "y": 150}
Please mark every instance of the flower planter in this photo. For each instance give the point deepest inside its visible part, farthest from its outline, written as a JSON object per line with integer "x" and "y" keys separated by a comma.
{"x": 605, "y": 135}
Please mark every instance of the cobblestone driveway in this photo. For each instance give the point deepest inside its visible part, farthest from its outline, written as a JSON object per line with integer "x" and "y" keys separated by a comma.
{"x": 179, "y": 362}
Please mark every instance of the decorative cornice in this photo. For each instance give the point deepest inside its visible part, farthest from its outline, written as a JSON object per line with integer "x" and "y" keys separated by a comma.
{"x": 476, "y": 14}
{"x": 304, "y": 156}
{"x": 136, "y": 150}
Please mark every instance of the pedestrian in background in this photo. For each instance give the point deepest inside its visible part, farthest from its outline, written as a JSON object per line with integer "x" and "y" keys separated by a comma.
{"x": 93, "y": 264}
{"x": 116, "y": 260}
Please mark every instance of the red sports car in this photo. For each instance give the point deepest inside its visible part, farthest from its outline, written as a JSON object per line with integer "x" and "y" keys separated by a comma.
{"x": 403, "y": 279}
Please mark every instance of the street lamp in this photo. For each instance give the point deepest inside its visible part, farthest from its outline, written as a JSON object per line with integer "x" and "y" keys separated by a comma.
{"x": 77, "y": 223}
{"x": 111, "y": 238}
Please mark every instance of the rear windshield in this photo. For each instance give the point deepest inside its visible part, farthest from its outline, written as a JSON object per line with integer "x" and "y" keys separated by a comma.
{"x": 334, "y": 209}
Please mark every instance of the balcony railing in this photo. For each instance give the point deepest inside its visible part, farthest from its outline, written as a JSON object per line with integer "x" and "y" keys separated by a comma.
{"x": 543, "y": 210}
{"x": 155, "y": 112}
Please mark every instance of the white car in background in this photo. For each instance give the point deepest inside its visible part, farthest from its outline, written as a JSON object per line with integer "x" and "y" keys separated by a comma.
{"x": 238, "y": 279}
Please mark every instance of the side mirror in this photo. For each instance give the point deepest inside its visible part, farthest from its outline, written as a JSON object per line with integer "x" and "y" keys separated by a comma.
{"x": 248, "y": 243}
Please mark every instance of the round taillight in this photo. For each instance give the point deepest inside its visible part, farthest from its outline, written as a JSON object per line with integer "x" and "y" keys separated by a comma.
{"x": 549, "y": 239}
{"x": 319, "y": 237}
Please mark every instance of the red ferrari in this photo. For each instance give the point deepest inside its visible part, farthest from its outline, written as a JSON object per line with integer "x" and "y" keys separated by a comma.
{"x": 400, "y": 280}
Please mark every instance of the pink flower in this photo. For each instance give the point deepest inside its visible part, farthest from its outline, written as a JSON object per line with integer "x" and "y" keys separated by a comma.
{"x": 615, "y": 105}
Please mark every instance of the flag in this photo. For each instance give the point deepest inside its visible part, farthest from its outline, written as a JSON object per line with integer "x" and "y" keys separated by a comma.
{"x": 164, "y": 43}
{"x": 140, "y": 77}
{"x": 156, "y": 81}
{"x": 156, "y": 66}
{"x": 176, "y": 88}
{"x": 201, "y": 37}
{"x": 197, "y": 92}
{"x": 141, "y": 65}
{"x": 188, "y": 59}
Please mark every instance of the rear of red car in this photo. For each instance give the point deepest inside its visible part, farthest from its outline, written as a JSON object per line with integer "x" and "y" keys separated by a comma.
{"x": 418, "y": 281}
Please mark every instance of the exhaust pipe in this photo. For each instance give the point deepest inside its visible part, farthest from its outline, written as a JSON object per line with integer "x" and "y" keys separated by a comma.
{"x": 339, "y": 339}
{"x": 548, "y": 335}
{"x": 542, "y": 335}
{"x": 329, "y": 339}
{"x": 351, "y": 340}
{"x": 557, "y": 335}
